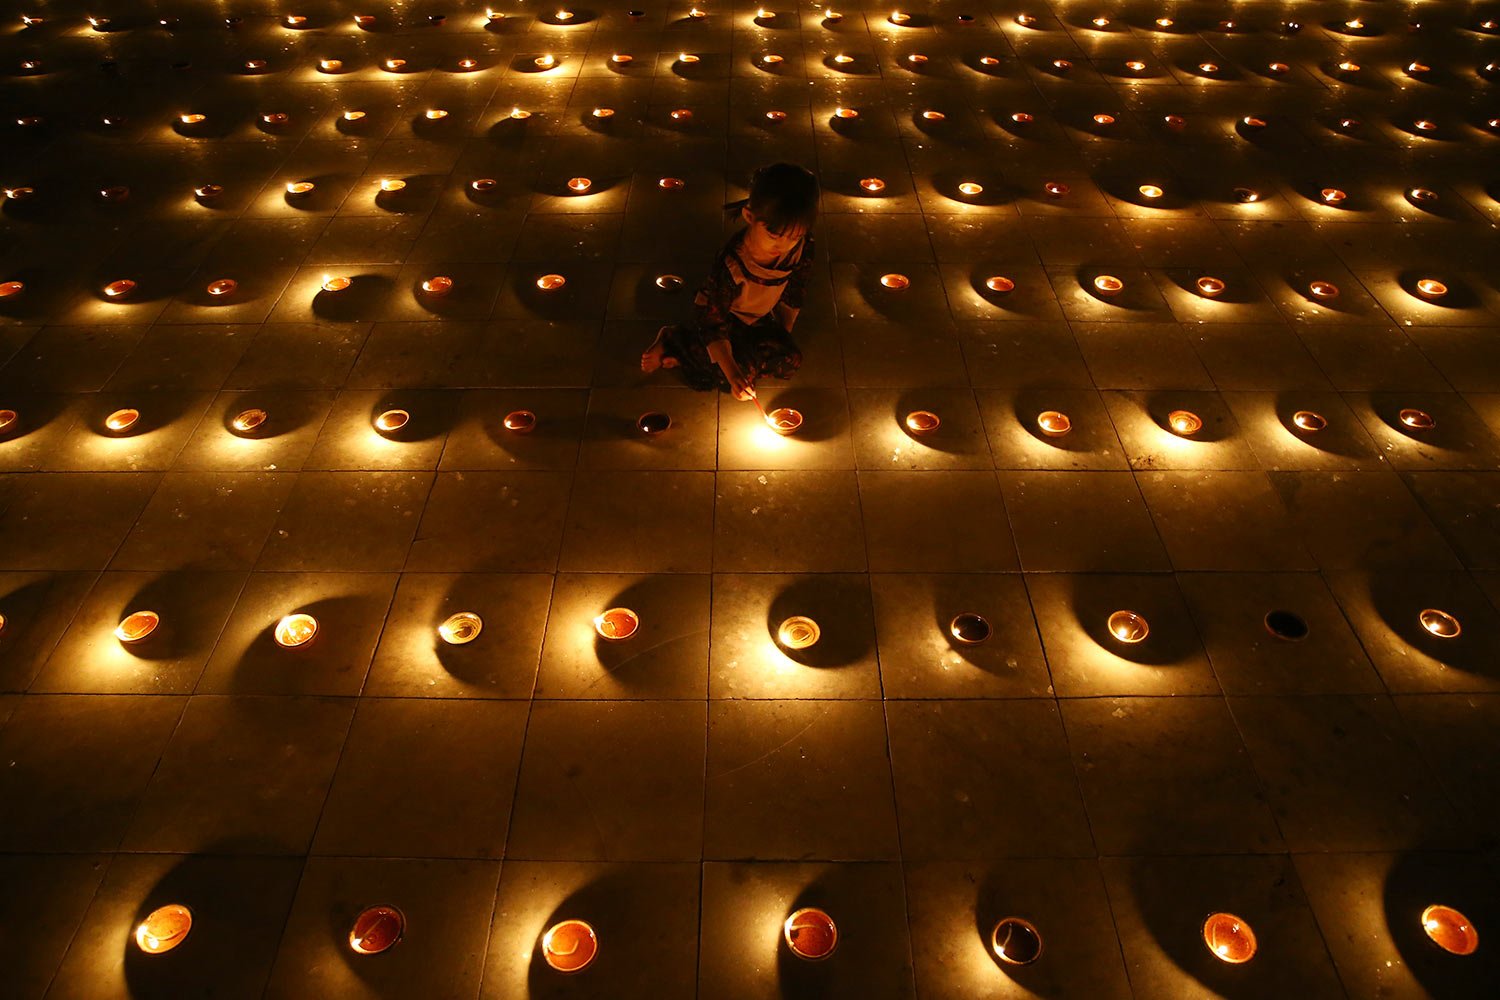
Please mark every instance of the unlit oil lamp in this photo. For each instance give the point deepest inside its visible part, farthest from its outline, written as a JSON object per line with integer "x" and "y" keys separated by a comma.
{"x": 872, "y": 185}
{"x": 376, "y": 929}
{"x": 520, "y": 421}
{"x": 569, "y": 946}
{"x": 999, "y": 284}
{"x": 222, "y": 287}
{"x": 1210, "y": 287}
{"x": 1128, "y": 626}
{"x": 1417, "y": 420}
{"x": 1054, "y": 423}
{"x": 460, "y": 628}
{"x": 810, "y": 934}
{"x": 922, "y": 422}
{"x": 969, "y": 628}
{"x": 336, "y": 284}
{"x": 437, "y": 286}
{"x": 1229, "y": 938}
{"x": 1185, "y": 423}
{"x": 249, "y": 421}
{"x": 1440, "y": 623}
{"x": 551, "y": 282}
{"x": 10, "y": 289}
{"x": 119, "y": 289}
{"x": 390, "y": 421}
{"x": 1324, "y": 289}
{"x": 1450, "y": 930}
{"x": 1016, "y": 941}
{"x": 896, "y": 282}
{"x": 137, "y": 626}
{"x": 784, "y": 420}
{"x": 1108, "y": 284}
{"x": 164, "y": 928}
{"x": 970, "y": 188}
{"x": 295, "y": 630}
{"x": 798, "y": 632}
{"x": 653, "y": 422}
{"x": 1431, "y": 288}
{"x": 617, "y": 624}
{"x": 1308, "y": 420}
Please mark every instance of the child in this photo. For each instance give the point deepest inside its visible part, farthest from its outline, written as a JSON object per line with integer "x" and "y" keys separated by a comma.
{"x": 751, "y": 298}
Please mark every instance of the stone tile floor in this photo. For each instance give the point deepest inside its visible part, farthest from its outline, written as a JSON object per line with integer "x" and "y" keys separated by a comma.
{"x": 685, "y": 789}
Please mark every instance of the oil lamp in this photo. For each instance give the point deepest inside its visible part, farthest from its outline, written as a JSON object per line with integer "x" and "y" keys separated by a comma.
{"x": 831, "y": 15}
{"x": 494, "y": 15}
{"x": 1054, "y": 423}
{"x": 899, "y": 17}
{"x": 1022, "y": 118}
{"x": 1056, "y": 189}
{"x": 1253, "y": 121}
{"x": 1208, "y": 67}
{"x": 1440, "y": 623}
{"x": 191, "y": 118}
{"x": 1246, "y": 196}
{"x": 207, "y": 192}
{"x": 1108, "y": 284}
{"x": 916, "y": 58}
{"x": 872, "y": 185}
{"x": 1025, "y": 20}
{"x": 30, "y": 20}
{"x": 1128, "y": 626}
{"x": 551, "y": 282}
{"x": 933, "y": 116}
{"x": 564, "y": 15}
{"x": 222, "y": 287}
{"x": 776, "y": 116}
{"x": 922, "y": 422}
{"x": 1417, "y": 69}
{"x": 969, "y": 628}
{"x": 275, "y": 118}
{"x": 461, "y": 628}
{"x": 30, "y": 65}
{"x": 295, "y": 20}
{"x": 1346, "y": 66}
{"x": 1135, "y": 65}
{"x": 1210, "y": 287}
{"x": 1424, "y": 125}
{"x": 364, "y": 20}
{"x": 1062, "y": 65}
{"x": 970, "y": 188}
{"x": 1431, "y": 288}
{"x": 389, "y": 421}
{"x": 1354, "y": 24}
{"x": 10, "y": 289}
{"x": 1450, "y": 930}
{"x": 1184, "y": 422}
{"x": 435, "y": 114}
{"x": 1417, "y": 420}
{"x": 1422, "y": 195}
{"x": 671, "y": 183}
{"x": 686, "y": 57}
{"x": 468, "y": 64}
{"x": 1229, "y": 938}
{"x": 669, "y": 282}
{"x": 519, "y": 114}
{"x": 621, "y": 58}
{"x": 681, "y": 114}
{"x": 569, "y": 946}
{"x": 999, "y": 283}
{"x": 1348, "y": 124}
{"x": 336, "y": 284}
{"x": 1101, "y": 22}
{"x": 295, "y": 630}
{"x": 482, "y": 185}
{"x": 248, "y": 421}
{"x": 137, "y": 625}
{"x": 1104, "y": 119}
{"x": 164, "y": 928}
{"x": 1016, "y": 941}
{"x": 376, "y": 929}
{"x": 810, "y": 934}
{"x": 604, "y": 112}
{"x": 99, "y": 23}
{"x": 255, "y": 65}
{"x": 353, "y": 116}
{"x": 117, "y": 192}
{"x": 1324, "y": 289}
{"x": 696, "y": 13}
{"x": 653, "y": 422}
{"x": 579, "y": 185}
{"x": 1286, "y": 625}
{"x": 390, "y": 185}
{"x": 845, "y": 113}
{"x": 798, "y": 632}
{"x": 1279, "y": 67}
{"x": 330, "y": 65}
{"x": 784, "y": 420}
{"x": 617, "y": 624}
{"x": 296, "y": 188}
{"x": 841, "y": 59}
{"x": 895, "y": 281}
{"x": 1174, "y": 122}
{"x": 119, "y": 289}
{"x": 764, "y": 15}
{"x": 437, "y": 286}
{"x": 545, "y": 62}
{"x": 520, "y": 421}
{"x": 1150, "y": 191}
{"x": 1308, "y": 420}
{"x": 1164, "y": 22}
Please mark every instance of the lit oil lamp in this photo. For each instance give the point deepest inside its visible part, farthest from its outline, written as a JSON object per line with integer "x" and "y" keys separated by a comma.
{"x": 395, "y": 65}
{"x": 970, "y": 188}
{"x": 353, "y": 116}
{"x": 1100, "y": 22}
{"x": 483, "y": 185}
{"x": 694, "y": 12}
{"x": 671, "y": 183}
{"x": 1128, "y": 626}
{"x": 1150, "y": 191}
{"x": 551, "y": 282}
{"x": 222, "y": 287}
{"x": 798, "y": 632}
{"x": 460, "y": 628}
{"x": 10, "y": 289}
{"x": 1208, "y": 67}
{"x": 832, "y": 15}
{"x": 776, "y": 116}
{"x": 1347, "y": 66}
{"x": 1450, "y": 930}
{"x": 137, "y": 626}
{"x": 1104, "y": 119}
{"x": 681, "y": 114}
{"x": 895, "y": 282}
{"x": 1246, "y": 196}
{"x": 468, "y": 64}
{"x": 364, "y": 20}
{"x": 899, "y": 17}
{"x": 1135, "y": 65}
{"x": 254, "y": 65}
{"x": 784, "y": 420}
{"x": 1023, "y": 117}
{"x": 1210, "y": 287}
{"x": 1026, "y": 20}
{"x": 1164, "y": 22}
{"x": 969, "y": 628}
{"x": 298, "y": 188}
{"x": 845, "y": 113}
{"x": 569, "y": 946}
{"x": 435, "y": 114}
{"x": 621, "y": 58}
{"x": 1062, "y": 65}
{"x": 1417, "y": 420}
{"x": 494, "y": 15}
{"x": 19, "y": 193}
{"x": 922, "y": 422}
{"x": 390, "y": 421}
{"x": 390, "y": 185}
{"x": 1324, "y": 289}
{"x": 1108, "y": 284}
{"x": 933, "y": 116}
{"x": 687, "y": 57}
{"x": 192, "y": 118}
{"x": 207, "y": 192}
{"x": 842, "y": 59}
{"x": 545, "y": 62}
{"x": 119, "y": 289}
{"x": 1417, "y": 69}
{"x": 1309, "y": 420}
{"x": 916, "y": 59}
{"x": 1425, "y": 125}
{"x": 810, "y": 934}
{"x": 1348, "y": 124}
{"x": 99, "y": 23}
{"x": 275, "y": 118}
{"x": 669, "y": 282}
{"x": 294, "y": 20}
{"x": 764, "y": 15}
{"x": 1185, "y": 423}
{"x": 1229, "y": 938}
{"x": 295, "y": 630}
{"x": 376, "y": 929}
{"x": 1431, "y": 288}
{"x": 520, "y": 421}
{"x": 579, "y": 185}
{"x": 1016, "y": 941}
{"x": 437, "y": 286}
{"x": 1279, "y": 68}
{"x": 563, "y": 15}
{"x": 1440, "y": 623}
{"x": 999, "y": 284}
{"x": 1056, "y": 189}
{"x": 117, "y": 192}
{"x": 1253, "y": 121}
{"x": 1354, "y": 24}
{"x": 872, "y": 185}
{"x": 617, "y": 624}
{"x": 988, "y": 61}
{"x": 1422, "y": 195}
{"x": 1054, "y": 423}
{"x": 1174, "y": 122}
{"x": 330, "y": 65}
{"x": 336, "y": 283}
{"x": 249, "y": 421}
{"x": 164, "y": 928}
{"x": 653, "y": 422}
{"x": 603, "y": 112}
{"x": 519, "y": 114}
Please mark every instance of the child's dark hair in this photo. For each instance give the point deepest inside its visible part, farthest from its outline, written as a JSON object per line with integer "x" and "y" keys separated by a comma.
{"x": 784, "y": 196}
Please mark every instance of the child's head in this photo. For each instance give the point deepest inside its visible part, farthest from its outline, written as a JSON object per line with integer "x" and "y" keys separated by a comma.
{"x": 783, "y": 205}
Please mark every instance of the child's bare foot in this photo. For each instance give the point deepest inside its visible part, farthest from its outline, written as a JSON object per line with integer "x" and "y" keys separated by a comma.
{"x": 655, "y": 356}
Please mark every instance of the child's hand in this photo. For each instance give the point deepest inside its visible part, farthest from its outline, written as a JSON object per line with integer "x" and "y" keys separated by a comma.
{"x": 742, "y": 388}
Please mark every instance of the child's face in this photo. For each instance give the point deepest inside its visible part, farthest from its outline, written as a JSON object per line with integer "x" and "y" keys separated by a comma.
{"x": 763, "y": 242}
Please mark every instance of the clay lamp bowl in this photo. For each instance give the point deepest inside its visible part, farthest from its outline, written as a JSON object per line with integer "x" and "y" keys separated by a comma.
{"x": 1210, "y": 287}
{"x": 872, "y": 185}
{"x": 551, "y": 282}
{"x": 520, "y": 421}
{"x": 810, "y": 934}
{"x": 222, "y": 287}
{"x": 1417, "y": 420}
{"x": 922, "y": 422}
{"x": 895, "y": 282}
{"x": 1324, "y": 290}
{"x": 1054, "y": 423}
{"x": 1431, "y": 288}
{"x": 784, "y": 420}
{"x": 1309, "y": 421}
{"x": 437, "y": 286}
{"x": 1108, "y": 284}
{"x": 617, "y": 624}
{"x": 569, "y": 946}
{"x": 1184, "y": 423}
{"x": 376, "y": 929}
{"x": 10, "y": 289}
{"x": 999, "y": 284}
{"x": 653, "y": 422}
{"x": 969, "y": 629}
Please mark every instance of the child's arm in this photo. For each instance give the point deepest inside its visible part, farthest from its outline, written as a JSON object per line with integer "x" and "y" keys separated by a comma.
{"x": 790, "y": 305}
{"x": 713, "y": 301}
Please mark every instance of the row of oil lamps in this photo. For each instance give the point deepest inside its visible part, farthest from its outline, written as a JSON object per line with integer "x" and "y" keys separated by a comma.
{"x": 809, "y": 933}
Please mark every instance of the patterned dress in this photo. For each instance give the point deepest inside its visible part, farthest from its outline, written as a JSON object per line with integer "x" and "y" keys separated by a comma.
{"x": 750, "y": 305}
